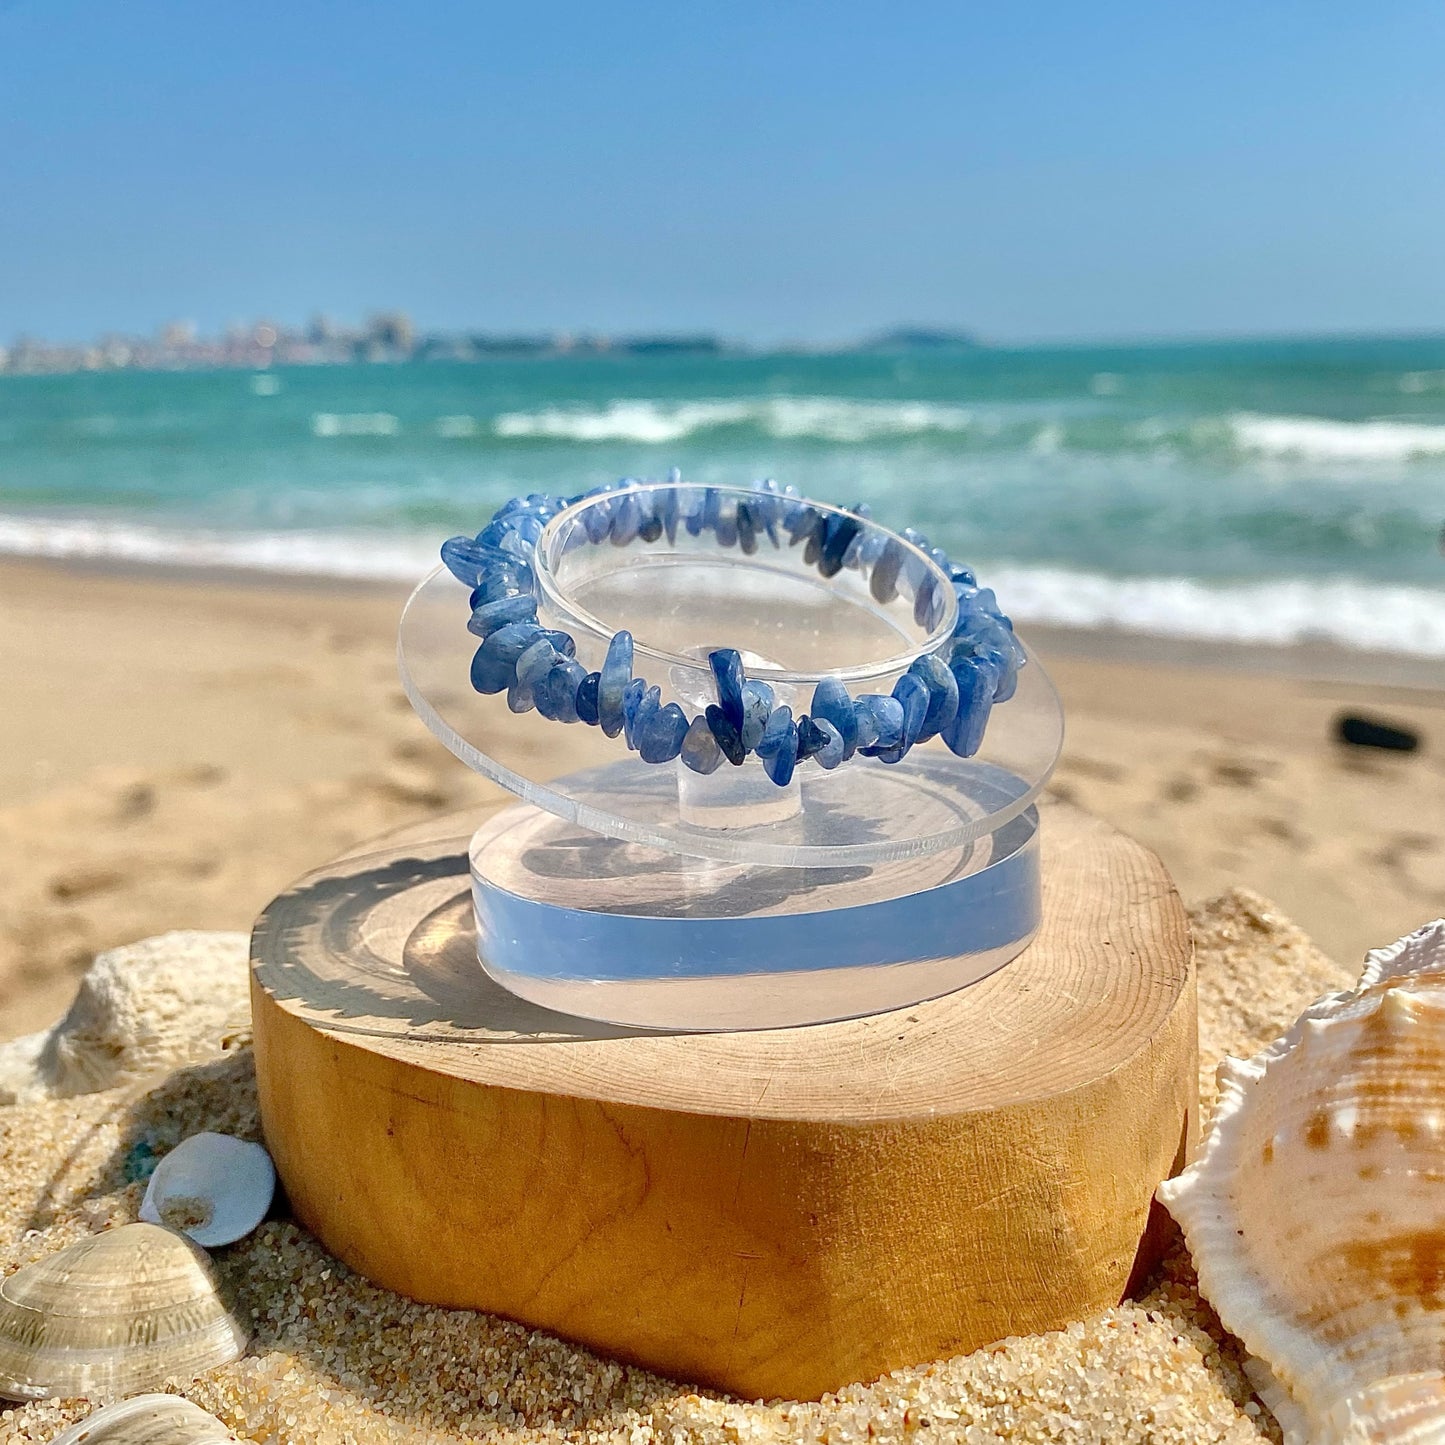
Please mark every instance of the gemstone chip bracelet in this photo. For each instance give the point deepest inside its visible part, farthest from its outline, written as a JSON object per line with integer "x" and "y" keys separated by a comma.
{"x": 947, "y": 693}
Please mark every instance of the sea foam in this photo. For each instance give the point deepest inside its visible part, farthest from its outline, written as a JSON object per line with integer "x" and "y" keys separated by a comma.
{"x": 383, "y": 557}
{"x": 826, "y": 418}
{"x": 1321, "y": 439}
{"x": 1405, "y": 620}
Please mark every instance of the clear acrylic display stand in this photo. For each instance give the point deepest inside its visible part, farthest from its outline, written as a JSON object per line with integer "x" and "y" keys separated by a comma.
{"x": 653, "y": 896}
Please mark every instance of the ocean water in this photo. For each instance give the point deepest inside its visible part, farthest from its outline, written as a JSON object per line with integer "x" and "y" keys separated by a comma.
{"x": 1255, "y": 492}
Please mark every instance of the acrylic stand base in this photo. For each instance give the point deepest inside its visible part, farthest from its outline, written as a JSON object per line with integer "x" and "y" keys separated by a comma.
{"x": 630, "y": 934}
{"x": 775, "y": 1212}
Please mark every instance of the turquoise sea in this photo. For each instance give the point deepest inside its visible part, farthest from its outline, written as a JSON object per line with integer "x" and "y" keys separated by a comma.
{"x": 1260, "y": 491}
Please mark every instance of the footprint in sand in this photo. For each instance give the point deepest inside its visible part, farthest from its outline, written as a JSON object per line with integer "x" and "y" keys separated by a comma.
{"x": 1181, "y": 789}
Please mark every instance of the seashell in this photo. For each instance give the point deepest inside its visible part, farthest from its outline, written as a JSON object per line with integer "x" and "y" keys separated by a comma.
{"x": 1316, "y": 1210}
{"x": 119, "y": 1312}
{"x": 148, "y": 1420}
{"x": 212, "y": 1187}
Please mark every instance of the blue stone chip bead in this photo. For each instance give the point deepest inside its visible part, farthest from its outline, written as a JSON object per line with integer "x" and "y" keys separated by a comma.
{"x": 465, "y": 560}
{"x": 923, "y": 600}
{"x": 870, "y": 546}
{"x": 700, "y": 750}
{"x": 500, "y": 537}
{"x": 831, "y": 701}
{"x": 747, "y": 529}
{"x": 811, "y": 738}
{"x": 775, "y": 731}
{"x": 832, "y": 752}
{"x": 912, "y": 692}
{"x": 725, "y": 523}
{"x": 500, "y": 582}
{"x": 659, "y": 737}
{"x": 837, "y": 538}
{"x": 912, "y": 574}
{"x": 495, "y": 660}
{"x": 694, "y": 514}
{"x": 727, "y": 671}
{"x": 637, "y": 720}
{"x": 491, "y": 615}
{"x": 711, "y": 507}
{"x": 801, "y": 524}
{"x": 597, "y": 521}
{"x": 533, "y": 664}
{"x": 942, "y": 687}
{"x": 725, "y": 735}
{"x": 886, "y": 715}
{"x": 757, "y": 706}
{"x": 562, "y": 685}
{"x": 883, "y": 581}
{"x": 626, "y": 519}
{"x": 561, "y": 641}
{"x": 671, "y": 512}
{"x": 975, "y": 697}
{"x": 616, "y": 674}
{"x": 778, "y": 746}
{"x": 587, "y": 699}
{"x": 865, "y": 724}
{"x": 631, "y": 700}
{"x": 813, "y": 546}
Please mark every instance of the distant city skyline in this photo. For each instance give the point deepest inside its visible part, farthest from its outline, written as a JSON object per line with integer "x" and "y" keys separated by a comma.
{"x": 384, "y": 336}
{"x": 811, "y": 173}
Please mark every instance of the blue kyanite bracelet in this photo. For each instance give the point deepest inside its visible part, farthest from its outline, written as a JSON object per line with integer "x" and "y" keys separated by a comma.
{"x": 947, "y": 693}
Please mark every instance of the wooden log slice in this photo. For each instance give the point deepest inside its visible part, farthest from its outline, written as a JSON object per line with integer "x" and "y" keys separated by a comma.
{"x": 774, "y": 1213}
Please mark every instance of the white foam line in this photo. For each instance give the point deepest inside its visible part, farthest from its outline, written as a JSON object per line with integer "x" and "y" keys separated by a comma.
{"x": 829, "y": 418}
{"x": 1319, "y": 439}
{"x": 319, "y": 554}
{"x": 1369, "y": 616}
{"x": 1405, "y": 620}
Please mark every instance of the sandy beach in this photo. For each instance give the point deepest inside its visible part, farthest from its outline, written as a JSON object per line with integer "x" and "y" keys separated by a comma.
{"x": 174, "y": 749}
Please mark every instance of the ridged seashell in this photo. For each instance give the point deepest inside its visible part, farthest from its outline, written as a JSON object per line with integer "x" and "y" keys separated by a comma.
{"x": 1316, "y": 1210}
{"x": 213, "y": 1187}
{"x": 148, "y": 1420}
{"x": 116, "y": 1313}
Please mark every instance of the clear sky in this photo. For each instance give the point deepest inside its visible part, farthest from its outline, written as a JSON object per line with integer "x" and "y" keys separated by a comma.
{"x": 769, "y": 170}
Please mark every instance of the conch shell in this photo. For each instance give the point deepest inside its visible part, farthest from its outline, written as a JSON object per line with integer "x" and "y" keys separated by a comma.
{"x": 1315, "y": 1212}
{"x": 148, "y": 1420}
{"x": 119, "y": 1312}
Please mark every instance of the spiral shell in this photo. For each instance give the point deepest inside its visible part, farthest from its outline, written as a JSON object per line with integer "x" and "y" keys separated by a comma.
{"x": 148, "y": 1420}
{"x": 1315, "y": 1212}
{"x": 117, "y": 1313}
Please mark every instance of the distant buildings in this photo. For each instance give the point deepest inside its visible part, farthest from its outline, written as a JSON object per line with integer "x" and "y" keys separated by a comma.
{"x": 388, "y": 336}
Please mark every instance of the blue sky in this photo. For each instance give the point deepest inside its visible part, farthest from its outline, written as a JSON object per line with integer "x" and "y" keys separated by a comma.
{"x": 781, "y": 170}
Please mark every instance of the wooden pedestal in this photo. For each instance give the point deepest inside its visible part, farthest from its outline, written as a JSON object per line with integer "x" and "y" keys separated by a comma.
{"x": 777, "y": 1213}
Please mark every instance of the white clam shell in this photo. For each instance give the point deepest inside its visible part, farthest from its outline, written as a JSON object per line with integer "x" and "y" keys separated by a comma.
{"x": 148, "y": 1420}
{"x": 212, "y": 1187}
{"x": 1315, "y": 1212}
{"x": 117, "y": 1313}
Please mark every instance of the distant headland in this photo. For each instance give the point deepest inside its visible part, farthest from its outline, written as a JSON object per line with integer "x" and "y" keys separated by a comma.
{"x": 390, "y": 336}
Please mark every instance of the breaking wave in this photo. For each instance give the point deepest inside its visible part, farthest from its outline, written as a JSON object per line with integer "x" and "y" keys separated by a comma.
{"x": 826, "y": 418}
{"x": 1405, "y": 620}
{"x": 1320, "y": 439}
